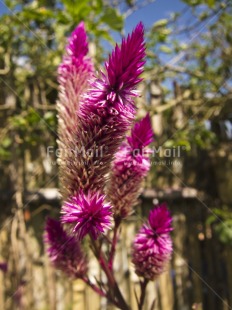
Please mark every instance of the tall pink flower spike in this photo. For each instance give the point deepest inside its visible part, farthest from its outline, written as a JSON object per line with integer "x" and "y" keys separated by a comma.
{"x": 130, "y": 167}
{"x": 74, "y": 74}
{"x": 152, "y": 247}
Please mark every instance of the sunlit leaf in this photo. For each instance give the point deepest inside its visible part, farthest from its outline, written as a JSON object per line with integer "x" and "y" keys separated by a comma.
{"x": 112, "y": 18}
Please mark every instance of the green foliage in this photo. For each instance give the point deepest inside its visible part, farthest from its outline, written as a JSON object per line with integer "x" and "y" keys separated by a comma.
{"x": 76, "y": 9}
{"x": 195, "y": 136}
{"x": 30, "y": 129}
{"x": 196, "y": 57}
{"x": 112, "y": 18}
{"x": 33, "y": 37}
{"x": 210, "y": 3}
{"x": 221, "y": 222}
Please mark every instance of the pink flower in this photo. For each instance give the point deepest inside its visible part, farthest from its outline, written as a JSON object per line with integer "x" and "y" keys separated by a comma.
{"x": 75, "y": 62}
{"x": 64, "y": 251}
{"x": 73, "y": 76}
{"x": 88, "y": 214}
{"x": 152, "y": 247}
{"x": 116, "y": 87}
{"x": 141, "y": 134}
{"x": 130, "y": 167}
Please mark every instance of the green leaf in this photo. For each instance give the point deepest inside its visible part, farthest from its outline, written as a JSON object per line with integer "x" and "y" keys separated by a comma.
{"x": 211, "y": 219}
{"x": 210, "y": 3}
{"x": 6, "y": 142}
{"x": 184, "y": 143}
{"x": 101, "y": 33}
{"x": 160, "y": 23}
{"x": 113, "y": 19}
{"x": 165, "y": 49}
{"x": 78, "y": 9}
{"x": 194, "y": 2}
{"x": 98, "y": 6}
{"x": 10, "y": 4}
{"x": 4, "y": 154}
{"x": 37, "y": 14}
{"x": 169, "y": 143}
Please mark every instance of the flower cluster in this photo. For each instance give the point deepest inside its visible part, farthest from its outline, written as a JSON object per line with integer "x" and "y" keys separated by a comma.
{"x": 152, "y": 246}
{"x": 95, "y": 113}
{"x": 104, "y": 114}
{"x": 130, "y": 166}
{"x": 64, "y": 251}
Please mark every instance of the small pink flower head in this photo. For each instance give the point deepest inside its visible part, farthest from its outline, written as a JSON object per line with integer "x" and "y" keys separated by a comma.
{"x": 111, "y": 93}
{"x": 130, "y": 166}
{"x": 160, "y": 220}
{"x": 78, "y": 45}
{"x": 152, "y": 247}
{"x": 141, "y": 134}
{"x": 125, "y": 65}
{"x": 76, "y": 61}
{"x": 64, "y": 251}
{"x": 133, "y": 154}
{"x": 88, "y": 213}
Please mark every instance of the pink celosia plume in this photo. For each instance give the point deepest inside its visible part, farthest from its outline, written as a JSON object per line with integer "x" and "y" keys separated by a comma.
{"x": 141, "y": 134}
{"x": 117, "y": 85}
{"x": 75, "y": 63}
{"x": 152, "y": 247}
{"x": 88, "y": 214}
{"x": 130, "y": 166}
{"x": 73, "y": 75}
{"x": 64, "y": 251}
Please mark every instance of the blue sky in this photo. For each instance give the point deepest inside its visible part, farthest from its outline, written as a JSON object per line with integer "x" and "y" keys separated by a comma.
{"x": 3, "y": 8}
{"x": 152, "y": 12}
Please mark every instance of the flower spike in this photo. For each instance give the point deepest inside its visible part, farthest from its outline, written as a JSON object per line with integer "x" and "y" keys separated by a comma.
{"x": 130, "y": 166}
{"x": 152, "y": 247}
{"x": 141, "y": 134}
{"x": 73, "y": 76}
{"x": 64, "y": 251}
{"x": 75, "y": 62}
{"x": 117, "y": 85}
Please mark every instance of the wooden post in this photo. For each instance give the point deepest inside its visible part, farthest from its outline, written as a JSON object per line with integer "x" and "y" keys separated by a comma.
{"x": 156, "y": 95}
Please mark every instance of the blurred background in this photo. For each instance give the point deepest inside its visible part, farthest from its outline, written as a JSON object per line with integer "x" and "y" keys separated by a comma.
{"x": 187, "y": 90}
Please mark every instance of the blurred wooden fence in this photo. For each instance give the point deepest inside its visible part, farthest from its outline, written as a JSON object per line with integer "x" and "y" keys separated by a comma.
{"x": 199, "y": 276}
